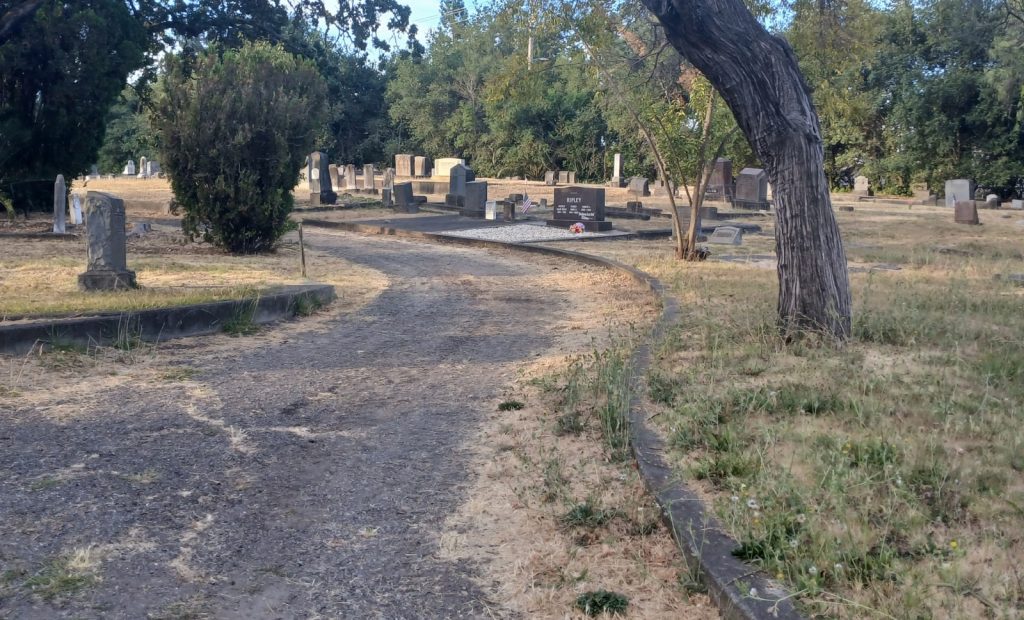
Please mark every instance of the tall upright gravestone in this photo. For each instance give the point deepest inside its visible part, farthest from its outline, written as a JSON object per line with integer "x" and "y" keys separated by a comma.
{"x": 458, "y": 176}
{"x": 403, "y": 165}
{"x": 60, "y": 201}
{"x": 320, "y": 190}
{"x": 107, "y": 267}
{"x": 617, "y": 180}
{"x": 350, "y": 177}
{"x": 720, "y": 186}
{"x": 959, "y": 190}
{"x": 369, "y": 179}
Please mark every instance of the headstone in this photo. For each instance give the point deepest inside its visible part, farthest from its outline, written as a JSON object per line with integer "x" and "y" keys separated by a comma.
{"x": 861, "y": 186}
{"x": 403, "y": 198}
{"x": 639, "y": 186}
{"x": 616, "y": 170}
{"x": 321, "y": 191}
{"x": 992, "y": 201}
{"x": 475, "y": 199}
{"x": 966, "y": 212}
{"x": 563, "y": 177}
{"x": 403, "y": 165}
{"x": 727, "y": 235}
{"x": 443, "y": 166}
{"x": 491, "y": 210}
{"x": 152, "y": 168}
{"x": 720, "y": 184}
{"x": 634, "y": 206}
{"x": 94, "y": 172}
{"x": 129, "y": 169}
{"x": 350, "y": 177}
{"x": 457, "y": 179}
{"x": 140, "y": 229}
{"x": 60, "y": 205}
{"x": 107, "y": 267}
{"x": 389, "y": 178}
{"x": 76, "y": 209}
{"x": 335, "y": 177}
{"x": 958, "y": 190}
{"x": 385, "y": 197}
{"x": 509, "y": 211}
{"x": 580, "y": 204}
{"x": 142, "y": 167}
{"x": 421, "y": 166}
{"x": 751, "y": 189}
{"x": 551, "y": 177}
{"x": 1017, "y": 204}
{"x": 309, "y": 172}
{"x": 572, "y": 176}
{"x": 369, "y": 179}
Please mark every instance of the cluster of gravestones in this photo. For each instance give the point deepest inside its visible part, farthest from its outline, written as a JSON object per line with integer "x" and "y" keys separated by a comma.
{"x": 324, "y": 177}
{"x": 147, "y": 169}
{"x": 960, "y": 197}
{"x": 559, "y": 177}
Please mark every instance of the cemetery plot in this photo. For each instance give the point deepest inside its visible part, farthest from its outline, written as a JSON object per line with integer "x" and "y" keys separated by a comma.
{"x": 865, "y": 477}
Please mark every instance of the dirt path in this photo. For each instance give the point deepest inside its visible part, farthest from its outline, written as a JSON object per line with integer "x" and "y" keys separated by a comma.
{"x": 296, "y": 475}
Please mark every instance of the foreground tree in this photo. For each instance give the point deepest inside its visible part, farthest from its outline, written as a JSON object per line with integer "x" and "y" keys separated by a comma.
{"x": 235, "y": 127}
{"x": 757, "y": 76}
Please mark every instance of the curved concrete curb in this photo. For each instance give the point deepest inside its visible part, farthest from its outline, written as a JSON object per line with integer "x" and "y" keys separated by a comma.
{"x": 161, "y": 323}
{"x": 740, "y": 591}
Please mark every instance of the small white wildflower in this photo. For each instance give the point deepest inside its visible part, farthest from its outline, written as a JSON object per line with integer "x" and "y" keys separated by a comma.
{"x": 752, "y": 504}
{"x": 813, "y": 570}
{"x": 838, "y": 567}
{"x": 743, "y": 485}
{"x": 734, "y": 498}
{"x": 899, "y": 481}
{"x": 753, "y": 592}
{"x": 800, "y": 518}
{"x": 793, "y": 543}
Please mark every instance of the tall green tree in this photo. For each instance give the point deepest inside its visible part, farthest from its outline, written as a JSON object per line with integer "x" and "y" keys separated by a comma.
{"x": 60, "y": 71}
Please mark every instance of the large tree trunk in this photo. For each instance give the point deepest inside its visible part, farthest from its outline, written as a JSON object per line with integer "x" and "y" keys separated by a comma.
{"x": 757, "y": 76}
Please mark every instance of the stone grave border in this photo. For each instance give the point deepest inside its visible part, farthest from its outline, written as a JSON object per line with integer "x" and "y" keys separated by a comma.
{"x": 157, "y": 324}
{"x": 65, "y": 236}
{"x": 706, "y": 548}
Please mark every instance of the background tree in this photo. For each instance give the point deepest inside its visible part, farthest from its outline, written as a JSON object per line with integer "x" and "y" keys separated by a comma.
{"x": 129, "y": 134}
{"x": 60, "y": 70}
{"x": 236, "y": 126}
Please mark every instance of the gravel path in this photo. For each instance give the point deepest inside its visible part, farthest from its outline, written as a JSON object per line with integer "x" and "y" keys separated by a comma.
{"x": 524, "y": 233}
{"x": 290, "y": 477}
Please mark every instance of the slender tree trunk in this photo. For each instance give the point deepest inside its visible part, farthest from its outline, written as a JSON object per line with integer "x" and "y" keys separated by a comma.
{"x": 757, "y": 75}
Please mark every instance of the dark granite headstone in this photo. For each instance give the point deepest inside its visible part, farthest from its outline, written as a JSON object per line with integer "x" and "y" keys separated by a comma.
{"x": 475, "y": 199}
{"x": 320, "y": 189}
{"x": 458, "y": 176}
{"x": 751, "y": 189}
{"x": 720, "y": 187}
{"x": 580, "y": 204}
{"x": 404, "y": 201}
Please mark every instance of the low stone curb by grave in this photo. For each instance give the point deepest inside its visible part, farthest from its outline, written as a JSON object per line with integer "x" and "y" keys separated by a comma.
{"x": 740, "y": 591}
{"x": 157, "y": 324}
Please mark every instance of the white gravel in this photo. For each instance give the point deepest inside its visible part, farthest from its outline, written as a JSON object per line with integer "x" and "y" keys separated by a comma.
{"x": 521, "y": 233}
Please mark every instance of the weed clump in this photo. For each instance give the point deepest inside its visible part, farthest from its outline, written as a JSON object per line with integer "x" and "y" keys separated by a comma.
{"x": 600, "y": 602}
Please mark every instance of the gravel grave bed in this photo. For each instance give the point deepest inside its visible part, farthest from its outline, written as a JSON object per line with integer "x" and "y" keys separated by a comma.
{"x": 522, "y": 233}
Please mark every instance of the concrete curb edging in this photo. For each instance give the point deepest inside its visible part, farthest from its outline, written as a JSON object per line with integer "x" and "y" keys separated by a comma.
{"x": 708, "y": 550}
{"x": 160, "y": 323}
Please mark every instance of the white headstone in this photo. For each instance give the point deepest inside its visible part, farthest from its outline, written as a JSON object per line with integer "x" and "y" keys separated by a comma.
{"x": 491, "y": 210}
{"x": 76, "y": 209}
{"x": 617, "y": 166}
{"x": 60, "y": 205}
{"x": 1017, "y": 204}
{"x": 129, "y": 169}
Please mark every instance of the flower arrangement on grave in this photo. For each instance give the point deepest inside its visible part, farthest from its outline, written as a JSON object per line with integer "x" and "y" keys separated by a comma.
{"x": 577, "y": 228}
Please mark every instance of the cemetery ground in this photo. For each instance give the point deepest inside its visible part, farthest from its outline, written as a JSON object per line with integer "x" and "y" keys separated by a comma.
{"x": 885, "y": 478}
{"x": 368, "y": 459}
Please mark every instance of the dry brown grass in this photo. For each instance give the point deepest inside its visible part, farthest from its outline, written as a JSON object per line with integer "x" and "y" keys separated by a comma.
{"x": 40, "y": 277}
{"x": 529, "y": 475}
{"x": 884, "y": 478}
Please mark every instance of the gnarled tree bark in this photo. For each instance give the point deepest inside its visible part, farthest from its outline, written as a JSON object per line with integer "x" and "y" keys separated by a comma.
{"x": 758, "y": 77}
